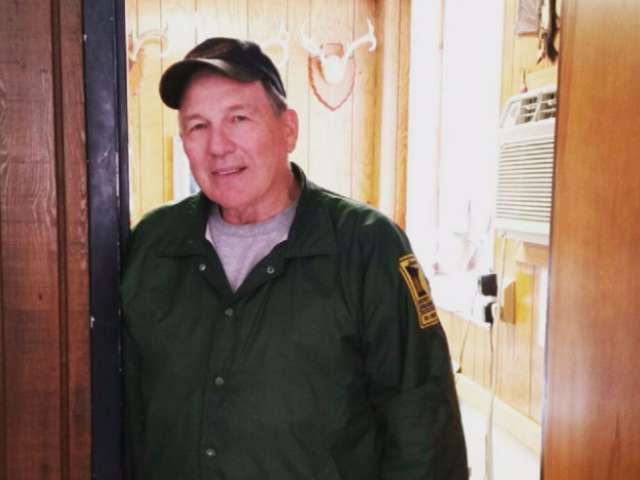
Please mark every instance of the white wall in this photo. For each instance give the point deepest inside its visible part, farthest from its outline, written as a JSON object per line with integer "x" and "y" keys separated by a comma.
{"x": 453, "y": 119}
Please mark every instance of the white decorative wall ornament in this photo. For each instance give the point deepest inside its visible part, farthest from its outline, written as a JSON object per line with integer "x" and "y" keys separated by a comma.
{"x": 332, "y": 67}
{"x": 281, "y": 39}
{"x": 174, "y": 36}
{"x": 154, "y": 35}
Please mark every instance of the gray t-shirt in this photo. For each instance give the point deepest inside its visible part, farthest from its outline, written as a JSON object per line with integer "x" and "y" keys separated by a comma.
{"x": 241, "y": 247}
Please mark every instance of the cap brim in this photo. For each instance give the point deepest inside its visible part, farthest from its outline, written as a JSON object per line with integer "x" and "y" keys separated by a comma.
{"x": 175, "y": 78}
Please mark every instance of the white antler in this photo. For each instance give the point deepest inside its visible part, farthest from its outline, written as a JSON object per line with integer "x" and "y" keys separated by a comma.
{"x": 309, "y": 45}
{"x": 149, "y": 36}
{"x": 281, "y": 39}
{"x": 369, "y": 37}
{"x": 333, "y": 66}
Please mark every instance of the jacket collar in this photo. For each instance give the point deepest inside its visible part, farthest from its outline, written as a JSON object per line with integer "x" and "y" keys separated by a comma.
{"x": 188, "y": 236}
{"x": 312, "y": 231}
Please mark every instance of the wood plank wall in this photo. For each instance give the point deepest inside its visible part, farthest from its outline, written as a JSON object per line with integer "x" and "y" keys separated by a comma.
{"x": 524, "y": 68}
{"x": 337, "y": 149}
{"x": 44, "y": 313}
{"x": 520, "y": 355}
{"x": 592, "y": 422}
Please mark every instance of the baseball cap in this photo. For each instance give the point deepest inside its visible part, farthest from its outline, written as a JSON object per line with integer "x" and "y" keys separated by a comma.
{"x": 240, "y": 60}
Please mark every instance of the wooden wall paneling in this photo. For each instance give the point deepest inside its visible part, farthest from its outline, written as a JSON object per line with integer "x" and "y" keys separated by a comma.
{"x": 471, "y": 353}
{"x": 542, "y": 77}
{"x": 463, "y": 354}
{"x": 474, "y": 360}
{"x": 387, "y": 105}
{"x": 4, "y": 158}
{"x": 364, "y": 107}
{"x": 4, "y": 161}
{"x": 482, "y": 355}
{"x": 517, "y": 357}
{"x": 474, "y": 352}
{"x": 222, "y": 18}
{"x": 523, "y": 332}
{"x": 592, "y": 421}
{"x": 508, "y": 42}
{"x": 506, "y": 338}
{"x": 521, "y": 52}
{"x": 468, "y": 363}
{"x": 537, "y": 384}
{"x": 525, "y": 53}
{"x": 500, "y": 335}
{"x": 151, "y": 111}
{"x": 133, "y": 106}
{"x": 31, "y": 293}
{"x": 452, "y": 331}
{"x": 264, "y": 23}
{"x": 45, "y": 425}
{"x": 514, "y": 359}
{"x": 181, "y": 40}
{"x": 331, "y": 131}
{"x": 402, "y": 128}
{"x": 298, "y": 87}
{"x": 537, "y": 356}
{"x": 483, "y": 347}
{"x": 74, "y": 265}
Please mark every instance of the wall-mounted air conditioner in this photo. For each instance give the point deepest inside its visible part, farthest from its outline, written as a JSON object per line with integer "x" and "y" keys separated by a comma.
{"x": 525, "y": 167}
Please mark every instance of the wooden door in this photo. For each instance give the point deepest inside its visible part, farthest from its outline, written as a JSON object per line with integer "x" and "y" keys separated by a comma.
{"x": 592, "y": 418}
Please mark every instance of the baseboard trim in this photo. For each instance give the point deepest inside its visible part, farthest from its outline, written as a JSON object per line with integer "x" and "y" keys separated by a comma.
{"x": 526, "y": 430}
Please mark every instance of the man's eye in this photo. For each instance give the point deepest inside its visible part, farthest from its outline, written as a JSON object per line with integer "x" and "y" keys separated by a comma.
{"x": 239, "y": 118}
{"x": 197, "y": 126}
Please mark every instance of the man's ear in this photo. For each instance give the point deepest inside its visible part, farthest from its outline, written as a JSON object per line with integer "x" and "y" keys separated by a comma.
{"x": 289, "y": 119}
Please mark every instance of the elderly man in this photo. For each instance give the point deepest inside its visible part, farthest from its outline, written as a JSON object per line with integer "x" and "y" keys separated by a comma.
{"x": 273, "y": 329}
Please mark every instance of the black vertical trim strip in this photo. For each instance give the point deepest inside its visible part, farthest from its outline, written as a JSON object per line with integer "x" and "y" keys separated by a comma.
{"x": 104, "y": 60}
{"x": 123, "y": 114}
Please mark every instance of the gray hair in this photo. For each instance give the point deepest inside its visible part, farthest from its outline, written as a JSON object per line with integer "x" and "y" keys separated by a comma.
{"x": 278, "y": 102}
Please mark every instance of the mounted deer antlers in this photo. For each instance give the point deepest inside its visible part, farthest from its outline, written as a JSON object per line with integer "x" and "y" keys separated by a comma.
{"x": 333, "y": 65}
{"x": 154, "y": 35}
{"x": 281, "y": 39}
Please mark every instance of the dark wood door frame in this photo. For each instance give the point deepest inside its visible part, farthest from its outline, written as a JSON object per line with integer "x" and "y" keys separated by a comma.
{"x": 106, "y": 117}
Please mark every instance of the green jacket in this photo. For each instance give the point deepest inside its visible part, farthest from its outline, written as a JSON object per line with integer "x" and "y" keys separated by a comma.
{"x": 323, "y": 365}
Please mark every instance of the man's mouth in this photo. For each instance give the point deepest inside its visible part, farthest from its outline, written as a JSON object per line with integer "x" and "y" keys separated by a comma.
{"x": 224, "y": 172}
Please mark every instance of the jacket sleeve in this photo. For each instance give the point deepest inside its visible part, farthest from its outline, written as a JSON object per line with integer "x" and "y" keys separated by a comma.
{"x": 408, "y": 364}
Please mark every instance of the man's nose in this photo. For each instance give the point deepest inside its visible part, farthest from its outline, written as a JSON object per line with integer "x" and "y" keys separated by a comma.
{"x": 219, "y": 142}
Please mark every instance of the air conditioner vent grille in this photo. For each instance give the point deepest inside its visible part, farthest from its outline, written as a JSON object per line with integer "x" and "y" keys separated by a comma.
{"x": 525, "y": 165}
{"x": 525, "y": 175}
{"x": 536, "y": 107}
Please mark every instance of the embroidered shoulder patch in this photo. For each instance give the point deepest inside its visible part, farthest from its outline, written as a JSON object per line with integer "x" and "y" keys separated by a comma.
{"x": 420, "y": 290}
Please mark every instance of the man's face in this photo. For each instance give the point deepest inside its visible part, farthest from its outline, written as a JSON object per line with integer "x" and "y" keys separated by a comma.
{"x": 237, "y": 144}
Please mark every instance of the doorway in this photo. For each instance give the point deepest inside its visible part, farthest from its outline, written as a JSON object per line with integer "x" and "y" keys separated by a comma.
{"x": 470, "y": 340}
{"x": 475, "y": 207}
